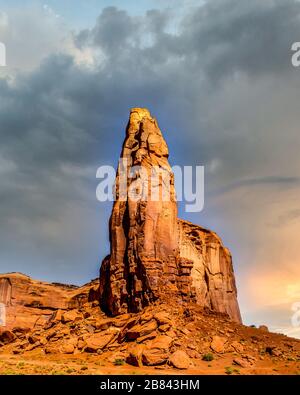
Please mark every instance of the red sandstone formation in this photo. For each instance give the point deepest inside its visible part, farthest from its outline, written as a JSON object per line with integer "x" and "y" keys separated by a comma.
{"x": 153, "y": 254}
{"x": 30, "y": 303}
{"x": 212, "y": 270}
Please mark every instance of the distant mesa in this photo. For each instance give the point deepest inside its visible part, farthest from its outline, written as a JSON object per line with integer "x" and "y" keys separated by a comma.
{"x": 30, "y": 303}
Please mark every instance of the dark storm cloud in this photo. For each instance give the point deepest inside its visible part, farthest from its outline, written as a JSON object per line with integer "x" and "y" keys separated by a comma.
{"x": 114, "y": 30}
{"x": 249, "y": 36}
{"x": 201, "y": 77}
{"x": 220, "y": 37}
{"x": 264, "y": 181}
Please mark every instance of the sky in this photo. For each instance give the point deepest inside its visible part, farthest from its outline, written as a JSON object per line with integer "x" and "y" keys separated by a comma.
{"x": 216, "y": 74}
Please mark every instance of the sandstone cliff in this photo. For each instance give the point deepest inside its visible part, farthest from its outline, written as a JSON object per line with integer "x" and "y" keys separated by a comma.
{"x": 153, "y": 255}
{"x": 29, "y": 303}
{"x": 212, "y": 273}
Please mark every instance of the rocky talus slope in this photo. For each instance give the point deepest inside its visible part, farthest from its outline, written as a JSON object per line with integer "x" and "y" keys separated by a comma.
{"x": 181, "y": 337}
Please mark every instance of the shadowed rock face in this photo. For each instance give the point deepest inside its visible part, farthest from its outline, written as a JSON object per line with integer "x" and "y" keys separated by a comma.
{"x": 153, "y": 255}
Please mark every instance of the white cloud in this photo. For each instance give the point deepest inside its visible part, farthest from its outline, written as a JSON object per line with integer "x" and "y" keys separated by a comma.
{"x": 30, "y": 34}
{"x": 3, "y": 21}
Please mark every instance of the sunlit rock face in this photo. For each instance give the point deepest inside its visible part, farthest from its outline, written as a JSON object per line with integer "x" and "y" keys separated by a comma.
{"x": 153, "y": 254}
{"x": 29, "y": 303}
{"x": 212, "y": 274}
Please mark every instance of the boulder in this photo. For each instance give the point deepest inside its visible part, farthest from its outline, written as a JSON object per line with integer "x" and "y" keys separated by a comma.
{"x": 135, "y": 355}
{"x": 157, "y": 352}
{"x": 237, "y": 346}
{"x": 274, "y": 351}
{"x": 97, "y": 341}
{"x": 68, "y": 347}
{"x": 162, "y": 318}
{"x": 142, "y": 339}
{"x": 146, "y": 317}
{"x": 218, "y": 344}
{"x": 241, "y": 362}
{"x": 6, "y": 336}
{"x": 121, "y": 320}
{"x": 154, "y": 357}
{"x": 180, "y": 360}
{"x": 51, "y": 349}
{"x": 43, "y": 341}
{"x": 164, "y": 328}
{"x": 57, "y": 316}
{"x": 20, "y": 331}
{"x": 71, "y": 316}
{"x": 103, "y": 324}
{"x": 263, "y": 328}
{"x": 32, "y": 338}
{"x": 81, "y": 344}
{"x": 141, "y": 330}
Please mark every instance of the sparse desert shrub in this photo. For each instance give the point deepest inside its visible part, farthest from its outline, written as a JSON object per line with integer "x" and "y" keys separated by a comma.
{"x": 70, "y": 370}
{"x": 57, "y": 373}
{"x": 208, "y": 357}
{"x": 9, "y": 372}
{"x": 229, "y": 370}
{"x": 119, "y": 362}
